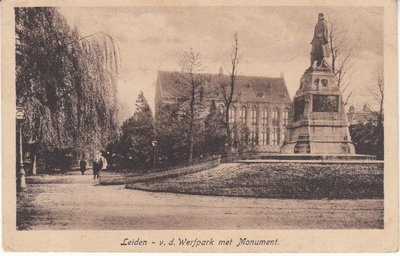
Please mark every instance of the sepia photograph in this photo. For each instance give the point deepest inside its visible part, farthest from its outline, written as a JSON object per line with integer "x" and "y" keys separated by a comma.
{"x": 200, "y": 117}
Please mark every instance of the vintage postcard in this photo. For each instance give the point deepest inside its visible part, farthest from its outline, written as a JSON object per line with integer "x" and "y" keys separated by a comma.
{"x": 199, "y": 126}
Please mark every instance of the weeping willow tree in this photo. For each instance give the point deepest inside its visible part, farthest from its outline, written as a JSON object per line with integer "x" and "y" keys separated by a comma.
{"x": 66, "y": 84}
{"x": 97, "y": 109}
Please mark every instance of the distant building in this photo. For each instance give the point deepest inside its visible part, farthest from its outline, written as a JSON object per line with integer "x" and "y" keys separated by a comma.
{"x": 360, "y": 116}
{"x": 262, "y": 103}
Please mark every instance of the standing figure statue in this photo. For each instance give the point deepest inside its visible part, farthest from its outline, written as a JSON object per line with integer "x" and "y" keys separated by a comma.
{"x": 319, "y": 43}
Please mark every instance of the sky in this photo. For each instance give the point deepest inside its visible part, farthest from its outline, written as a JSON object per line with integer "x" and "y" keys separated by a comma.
{"x": 272, "y": 41}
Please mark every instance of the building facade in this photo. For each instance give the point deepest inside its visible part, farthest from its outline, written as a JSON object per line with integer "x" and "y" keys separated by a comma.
{"x": 261, "y": 104}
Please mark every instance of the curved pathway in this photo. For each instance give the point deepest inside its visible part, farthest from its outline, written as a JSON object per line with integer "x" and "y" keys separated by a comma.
{"x": 78, "y": 202}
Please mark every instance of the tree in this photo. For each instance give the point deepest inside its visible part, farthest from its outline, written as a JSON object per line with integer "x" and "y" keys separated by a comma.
{"x": 241, "y": 137}
{"x": 170, "y": 134}
{"x": 362, "y": 135}
{"x": 368, "y": 133}
{"x": 43, "y": 68}
{"x": 214, "y": 137}
{"x": 341, "y": 52}
{"x": 228, "y": 90}
{"x": 378, "y": 95}
{"x": 192, "y": 86}
{"x": 137, "y": 134}
{"x": 67, "y": 85}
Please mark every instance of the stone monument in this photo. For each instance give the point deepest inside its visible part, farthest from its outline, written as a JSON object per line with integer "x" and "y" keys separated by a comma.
{"x": 318, "y": 122}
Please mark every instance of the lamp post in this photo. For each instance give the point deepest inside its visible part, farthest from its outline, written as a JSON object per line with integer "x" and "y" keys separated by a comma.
{"x": 154, "y": 144}
{"x": 21, "y": 184}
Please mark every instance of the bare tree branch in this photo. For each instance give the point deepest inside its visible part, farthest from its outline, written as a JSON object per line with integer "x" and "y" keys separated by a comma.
{"x": 347, "y": 99}
{"x": 191, "y": 84}
{"x": 228, "y": 96}
{"x": 341, "y": 54}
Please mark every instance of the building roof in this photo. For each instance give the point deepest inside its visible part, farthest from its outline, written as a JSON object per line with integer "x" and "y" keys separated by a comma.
{"x": 247, "y": 89}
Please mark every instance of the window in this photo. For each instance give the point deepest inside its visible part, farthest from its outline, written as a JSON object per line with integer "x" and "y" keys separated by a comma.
{"x": 253, "y": 116}
{"x": 244, "y": 137}
{"x": 221, "y": 108}
{"x": 253, "y": 137}
{"x": 275, "y": 123}
{"x": 285, "y": 114}
{"x": 283, "y": 132}
{"x": 285, "y": 119}
{"x": 275, "y": 140}
{"x": 264, "y": 117}
{"x": 231, "y": 115}
{"x": 264, "y": 137}
{"x": 243, "y": 114}
{"x": 275, "y": 119}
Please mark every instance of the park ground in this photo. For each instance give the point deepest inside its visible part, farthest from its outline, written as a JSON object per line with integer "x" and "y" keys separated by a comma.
{"x": 76, "y": 202}
{"x": 277, "y": 180}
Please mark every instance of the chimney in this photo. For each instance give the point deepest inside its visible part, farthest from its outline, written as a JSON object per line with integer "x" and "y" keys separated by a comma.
{"x": 221, "y": 71}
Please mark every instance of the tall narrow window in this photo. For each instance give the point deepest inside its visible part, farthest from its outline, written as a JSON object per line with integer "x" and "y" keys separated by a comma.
{"x": 253, "y": 138}
{"x": 264, "y": 137}
{"x": 231, "y": 114}
{"x": 283, "y": 133}
{"x": 243, "y": 114}
{"x": 253, "y": 116}
{"x": 275, "y": 124}
{"x": 285, "y": 114}
{"x": 285, "y": 119}
{"x": 221, "y": 108}
{"x": 264, "y": 117}
{"x": 275, "y": 116}
{"x": 244, "y": 137}
{"x": 275, "y": 140}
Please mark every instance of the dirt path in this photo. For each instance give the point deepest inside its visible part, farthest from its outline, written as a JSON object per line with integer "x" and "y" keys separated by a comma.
{"x": 82, "y": 204}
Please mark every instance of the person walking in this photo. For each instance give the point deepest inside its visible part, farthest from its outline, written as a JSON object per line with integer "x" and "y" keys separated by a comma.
{"x": 82, "y": 166}
{"x": 94, "y": 168}
{"x": 97, "y": 166}
{"x": 103, "y": 161}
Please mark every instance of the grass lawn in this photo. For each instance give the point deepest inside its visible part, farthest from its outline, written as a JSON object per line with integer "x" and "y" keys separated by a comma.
{"x": 278, "y": 180}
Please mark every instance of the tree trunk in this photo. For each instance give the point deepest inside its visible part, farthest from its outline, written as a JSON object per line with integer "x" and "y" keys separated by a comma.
{"x": 191, "y": 144}
{"x": 34, "y": 164}
{"x": 228, "y": 133}
{"x": 380, "y": 136}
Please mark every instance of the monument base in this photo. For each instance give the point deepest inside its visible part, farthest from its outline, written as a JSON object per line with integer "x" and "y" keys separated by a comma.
{"x": 318, "y": 122}
{"x": 322, "y": 147}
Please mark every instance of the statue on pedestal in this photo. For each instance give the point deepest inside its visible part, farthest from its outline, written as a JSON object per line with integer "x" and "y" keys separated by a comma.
{"x": 318, "y": 125}
{"x": 320, "y": 49}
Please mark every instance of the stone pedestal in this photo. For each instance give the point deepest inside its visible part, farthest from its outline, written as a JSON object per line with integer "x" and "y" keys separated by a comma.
{"x": 318, "y": 123}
